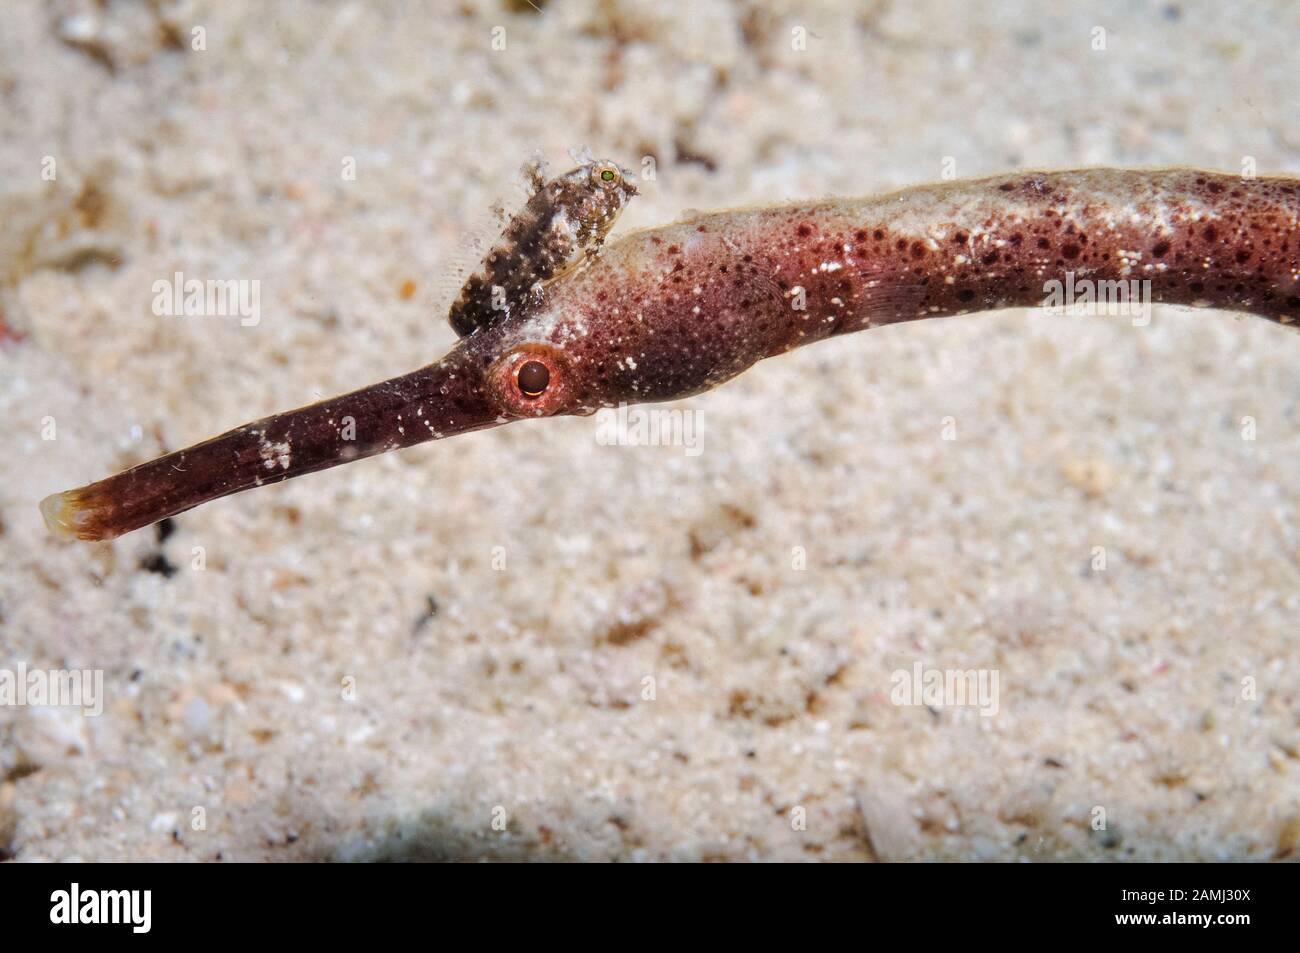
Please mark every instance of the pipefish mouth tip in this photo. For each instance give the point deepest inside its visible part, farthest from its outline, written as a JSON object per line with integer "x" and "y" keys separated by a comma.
{"x": 67, "y": 517}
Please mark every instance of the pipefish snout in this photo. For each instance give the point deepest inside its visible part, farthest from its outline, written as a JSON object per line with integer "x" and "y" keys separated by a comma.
{"x": 673, "y": 311}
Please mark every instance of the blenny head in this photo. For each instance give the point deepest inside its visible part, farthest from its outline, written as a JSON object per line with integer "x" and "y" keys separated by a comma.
{"x": 588, "y": 201}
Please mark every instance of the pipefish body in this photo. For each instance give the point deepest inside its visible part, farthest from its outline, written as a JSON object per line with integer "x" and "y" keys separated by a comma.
{"x": 673, "y": 311}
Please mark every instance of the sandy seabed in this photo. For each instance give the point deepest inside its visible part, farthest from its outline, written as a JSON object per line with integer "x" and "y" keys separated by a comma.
{"x": 526, "y": 644}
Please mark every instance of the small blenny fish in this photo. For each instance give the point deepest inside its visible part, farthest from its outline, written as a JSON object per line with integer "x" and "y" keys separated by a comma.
{"x": 672, "y": 311}
{"x": 561, "y": 226}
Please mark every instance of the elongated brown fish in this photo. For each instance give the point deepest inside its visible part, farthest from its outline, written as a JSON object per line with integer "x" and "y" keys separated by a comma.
{"x": 673, "y": 311}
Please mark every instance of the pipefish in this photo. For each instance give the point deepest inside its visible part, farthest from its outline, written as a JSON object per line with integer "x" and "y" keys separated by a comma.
{"x": 676, "y": 310}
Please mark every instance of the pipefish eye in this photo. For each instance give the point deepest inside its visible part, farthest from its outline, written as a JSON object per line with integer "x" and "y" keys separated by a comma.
{"x": 533, "y": 378}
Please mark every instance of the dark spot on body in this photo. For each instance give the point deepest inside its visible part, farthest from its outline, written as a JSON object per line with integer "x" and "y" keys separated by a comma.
{"x": 158, "y": 562}
{"x": 427, "y": 616}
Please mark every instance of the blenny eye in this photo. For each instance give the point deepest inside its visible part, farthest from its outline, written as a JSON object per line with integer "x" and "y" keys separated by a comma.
{"x": 533, "y": 378}
{"x": 607, "y": 174}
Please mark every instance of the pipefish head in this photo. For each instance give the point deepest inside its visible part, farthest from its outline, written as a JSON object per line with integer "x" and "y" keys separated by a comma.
{"x": 541, "y": 367}
{"x": 572, "y": 357}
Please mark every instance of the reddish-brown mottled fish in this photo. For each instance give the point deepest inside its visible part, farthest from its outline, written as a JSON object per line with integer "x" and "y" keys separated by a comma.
{"x": 673, "y": 311}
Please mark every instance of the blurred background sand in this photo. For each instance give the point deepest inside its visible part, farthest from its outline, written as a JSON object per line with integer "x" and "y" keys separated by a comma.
{"x": 516, "y": 694}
